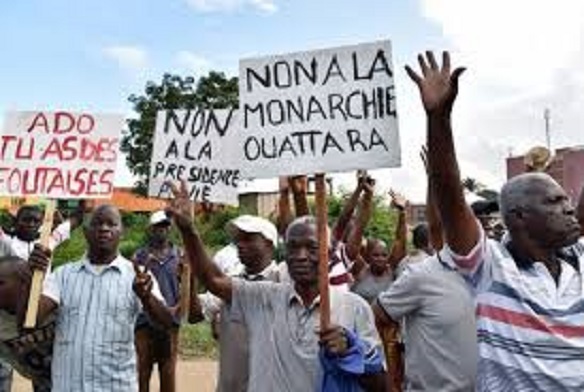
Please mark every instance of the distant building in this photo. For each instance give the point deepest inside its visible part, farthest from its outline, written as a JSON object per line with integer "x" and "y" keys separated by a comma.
{"x": 261, "y": 197}
{"x": 128, "y": 201}
{"x": 567, "y": 168}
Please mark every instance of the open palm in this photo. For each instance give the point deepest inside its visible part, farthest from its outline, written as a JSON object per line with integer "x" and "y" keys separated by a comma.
{"x": 438, "y": 85}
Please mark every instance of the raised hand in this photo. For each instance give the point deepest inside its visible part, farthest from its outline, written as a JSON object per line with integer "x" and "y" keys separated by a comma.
{"x": 298, "y": 183}
{"x": 398, "y": 201}
{"x": 142, "y": 282}
{"x": 181, "y": 207}
{"x": 438, "y": 86}
{"x": 368, "y": 185}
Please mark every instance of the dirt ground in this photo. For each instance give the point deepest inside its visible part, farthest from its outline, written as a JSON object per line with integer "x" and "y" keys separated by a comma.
{"x": 201, "y": 373}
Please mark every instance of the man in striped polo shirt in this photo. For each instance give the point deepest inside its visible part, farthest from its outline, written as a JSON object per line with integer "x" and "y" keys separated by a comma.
{"x": 530, "y": 302}
{"x": 97, "y": 301}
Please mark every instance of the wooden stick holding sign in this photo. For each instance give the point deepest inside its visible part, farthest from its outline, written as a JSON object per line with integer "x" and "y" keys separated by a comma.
{"x": 185, "y": 288}
{"x": 39, "y": 276}
{"x": 323, "y": 252}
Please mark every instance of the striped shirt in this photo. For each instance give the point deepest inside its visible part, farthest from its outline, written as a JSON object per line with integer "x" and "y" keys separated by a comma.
{"x": 530, "y": 329}
{"x": 94, "y": 338}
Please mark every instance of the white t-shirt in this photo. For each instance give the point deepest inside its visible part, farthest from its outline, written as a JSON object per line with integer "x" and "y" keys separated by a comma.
{"x": 23, "y": 249}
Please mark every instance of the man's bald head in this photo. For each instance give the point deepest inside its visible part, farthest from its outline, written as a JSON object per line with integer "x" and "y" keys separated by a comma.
{"x": 535, "y": 206}
{"x": 104, "y": 230}
{"x": 515, "y": 193}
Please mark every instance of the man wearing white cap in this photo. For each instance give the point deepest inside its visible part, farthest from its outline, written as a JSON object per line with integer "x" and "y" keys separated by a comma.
{"x": 154, "y": 344}
{"x": 256, "y": 239}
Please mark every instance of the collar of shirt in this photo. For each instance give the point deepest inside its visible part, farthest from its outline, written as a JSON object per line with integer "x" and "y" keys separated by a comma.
{"x": 115, "y": 265}
{"x": 295, "y": 298}
{"x": 263, "y": 275}
{"x": 172, "y": 254}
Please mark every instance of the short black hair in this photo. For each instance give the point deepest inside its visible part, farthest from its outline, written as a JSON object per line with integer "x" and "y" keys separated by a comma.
{"x": 484, "y": 207}
{"x": 28, "y": 207}
{"x": 421, "y": 236}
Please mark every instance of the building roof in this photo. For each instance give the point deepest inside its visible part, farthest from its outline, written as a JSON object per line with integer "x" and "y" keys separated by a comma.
{"x": 126, "y": 200}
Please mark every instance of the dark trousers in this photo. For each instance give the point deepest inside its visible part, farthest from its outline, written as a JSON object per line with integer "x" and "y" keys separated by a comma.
{"x": 160, "y": 347}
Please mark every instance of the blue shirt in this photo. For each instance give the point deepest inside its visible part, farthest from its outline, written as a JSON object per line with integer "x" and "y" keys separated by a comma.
{"x": 166, "y": 273}
{"x": 94, "y": 337}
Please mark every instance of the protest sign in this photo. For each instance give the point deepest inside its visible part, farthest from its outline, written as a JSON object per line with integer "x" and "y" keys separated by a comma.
{"x": 319, "y": 111}
{"x": 59, "y": 154}
{"x": 199, "y": 146}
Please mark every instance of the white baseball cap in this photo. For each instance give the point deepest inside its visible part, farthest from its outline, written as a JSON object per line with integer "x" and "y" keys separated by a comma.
{"x": 159, "y": 217}
{"x": 254, "y": 224}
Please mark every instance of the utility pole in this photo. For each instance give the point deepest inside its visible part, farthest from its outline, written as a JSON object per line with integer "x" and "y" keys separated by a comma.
{"x": 546, "y": 117}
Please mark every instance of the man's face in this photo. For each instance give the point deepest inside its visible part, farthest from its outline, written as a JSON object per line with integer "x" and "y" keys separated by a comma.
{"x": 302, "y": 254}
{"x": 549, "y": 217}
{"x": 252, "y": 248}
{"x": 489, "y": 223}
{"x": 159, "y": 232}
{"x": 28, "y": 223}
{"x": 104, "y": 230}
{"x": 377, "y": 255}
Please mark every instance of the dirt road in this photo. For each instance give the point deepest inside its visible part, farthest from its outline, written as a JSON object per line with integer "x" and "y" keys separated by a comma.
{"x": 201, "y": 373}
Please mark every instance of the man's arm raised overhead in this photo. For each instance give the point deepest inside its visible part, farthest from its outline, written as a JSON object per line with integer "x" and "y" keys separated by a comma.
{"x": 182, "y": 210}
{"x": 438, "y": 88}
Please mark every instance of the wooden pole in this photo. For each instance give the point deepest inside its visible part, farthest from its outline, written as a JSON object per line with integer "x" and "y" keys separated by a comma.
{"x": 323, "y": 254}
{"x": 38, "y": 277}
{"x": 185, "y": 289}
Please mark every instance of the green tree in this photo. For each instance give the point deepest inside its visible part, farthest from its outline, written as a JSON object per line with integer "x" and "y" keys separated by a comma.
{"x": 472, "y": 185}
{"x": 214, "y": 90}
{"x": 383, "y": 219}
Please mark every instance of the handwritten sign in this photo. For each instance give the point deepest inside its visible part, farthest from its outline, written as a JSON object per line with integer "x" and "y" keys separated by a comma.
{"x": 319, "y": 111}
{"x": 198, "y": 146}
{"x": 59, "y": 154}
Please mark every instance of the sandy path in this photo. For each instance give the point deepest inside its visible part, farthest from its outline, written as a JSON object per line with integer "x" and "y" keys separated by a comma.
{"x": 199, "y": 373}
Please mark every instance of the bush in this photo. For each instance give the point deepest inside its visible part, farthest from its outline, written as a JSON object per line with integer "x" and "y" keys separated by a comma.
{"x": 197, "y": 341}
{"x": 71, "y": 250}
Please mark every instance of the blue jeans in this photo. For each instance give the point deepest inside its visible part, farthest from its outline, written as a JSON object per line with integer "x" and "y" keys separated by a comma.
{"x": 5, "y": 377}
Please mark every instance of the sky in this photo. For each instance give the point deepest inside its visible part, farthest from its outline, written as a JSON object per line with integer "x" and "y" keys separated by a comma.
{"x": 522, "y": 57}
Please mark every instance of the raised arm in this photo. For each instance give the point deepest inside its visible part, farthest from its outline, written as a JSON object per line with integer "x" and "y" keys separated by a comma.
{"x": 284, "y": 207}
{"x": 349, "y": 207}
{"x": 355, "y": 237}
{"x": 432, "y": 214}
{"x": 398, "y": 249}
{"x": 181, "y": 209}
{"x": 299, "y": 186}
{"x": 438, "y": 89}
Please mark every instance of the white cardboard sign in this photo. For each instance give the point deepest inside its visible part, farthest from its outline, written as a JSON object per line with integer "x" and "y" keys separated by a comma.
{"x": 329, "y": 110}
{"x": 199, "y": 146}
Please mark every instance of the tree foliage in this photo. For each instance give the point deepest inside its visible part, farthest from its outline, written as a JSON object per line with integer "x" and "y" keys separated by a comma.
{"x": 383, "y": 219}
{"x": 214, "y": 90}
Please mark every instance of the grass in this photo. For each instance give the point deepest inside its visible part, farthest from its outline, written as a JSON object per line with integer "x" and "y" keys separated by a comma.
{"x": 196, "y": 341}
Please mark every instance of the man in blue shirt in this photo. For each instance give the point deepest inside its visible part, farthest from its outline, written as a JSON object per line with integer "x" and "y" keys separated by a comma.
{"x": 154, "y": 344}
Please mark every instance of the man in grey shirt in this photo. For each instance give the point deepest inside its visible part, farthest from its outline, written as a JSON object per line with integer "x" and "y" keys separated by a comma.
{"x": 282, "y": 319}
{"x": 256, "y": 239}
{"x": 440, "y": 339}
